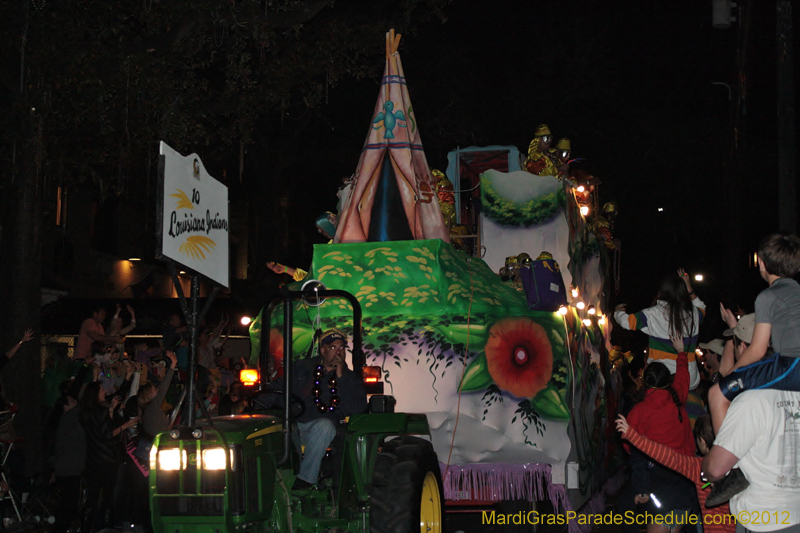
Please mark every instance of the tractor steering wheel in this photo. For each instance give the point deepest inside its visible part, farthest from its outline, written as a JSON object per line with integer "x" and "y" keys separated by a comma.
{"x": 272, "y": 399}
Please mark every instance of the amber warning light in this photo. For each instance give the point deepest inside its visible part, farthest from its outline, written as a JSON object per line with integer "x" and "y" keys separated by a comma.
{"x": 248, "y": 376}
{"x": 372, "y": 374}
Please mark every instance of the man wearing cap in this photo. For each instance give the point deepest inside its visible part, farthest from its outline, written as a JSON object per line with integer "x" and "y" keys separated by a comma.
{"x": 713, "y": 354}
{"x": 331, "y": 392}
{"x": 739, "y": 336}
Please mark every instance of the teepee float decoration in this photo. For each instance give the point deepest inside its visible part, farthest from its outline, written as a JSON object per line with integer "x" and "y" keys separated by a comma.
{"x": 393, "y": 195}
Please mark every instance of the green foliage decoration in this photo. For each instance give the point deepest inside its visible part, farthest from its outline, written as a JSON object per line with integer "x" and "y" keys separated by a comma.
{"x": 507, "y": 213}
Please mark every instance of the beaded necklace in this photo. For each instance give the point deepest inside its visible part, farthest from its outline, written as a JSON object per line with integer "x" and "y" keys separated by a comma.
{"x": 322, "y": 407}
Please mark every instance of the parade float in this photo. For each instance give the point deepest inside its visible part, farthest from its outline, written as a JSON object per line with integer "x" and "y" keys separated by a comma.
{"x": 508, "y": 368}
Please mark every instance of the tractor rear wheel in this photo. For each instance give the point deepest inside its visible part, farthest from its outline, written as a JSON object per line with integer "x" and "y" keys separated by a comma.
{"x": 407, "y": 494}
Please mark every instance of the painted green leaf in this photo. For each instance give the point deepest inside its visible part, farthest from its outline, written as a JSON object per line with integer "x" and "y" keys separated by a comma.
{"x": 550, "y": 404}
{"x": 457, "y": 334}
{"x": 477, "y": 376}
{"x": 301, "y": 339}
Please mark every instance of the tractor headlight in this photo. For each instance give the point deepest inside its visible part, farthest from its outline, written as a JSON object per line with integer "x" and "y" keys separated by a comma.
{"x": 171, "y": 459}
{"x": 214, "y": 459}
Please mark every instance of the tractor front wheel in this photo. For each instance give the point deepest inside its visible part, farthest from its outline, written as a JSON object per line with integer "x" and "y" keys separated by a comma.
{"x": 407, "y": 494}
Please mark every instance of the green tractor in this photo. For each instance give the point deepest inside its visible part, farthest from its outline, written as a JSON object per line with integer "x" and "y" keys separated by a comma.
{"x": 235, "y": 473}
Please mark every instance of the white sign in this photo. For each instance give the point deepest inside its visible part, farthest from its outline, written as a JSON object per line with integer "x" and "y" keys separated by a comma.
{"x": 194, "y": 216}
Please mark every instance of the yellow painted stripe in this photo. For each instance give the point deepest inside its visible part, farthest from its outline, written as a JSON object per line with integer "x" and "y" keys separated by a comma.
{"x": 266, "y": 431}
{"x": 656, "y": 355}
{"x": 660, "y": 354}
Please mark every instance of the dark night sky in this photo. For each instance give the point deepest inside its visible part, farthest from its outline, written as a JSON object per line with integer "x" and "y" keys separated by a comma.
{"x": 638, "y": 87}
{"x": 630, "y": 83}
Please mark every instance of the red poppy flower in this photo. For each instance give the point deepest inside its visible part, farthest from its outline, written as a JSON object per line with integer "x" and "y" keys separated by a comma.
{"x": 519, "y": 356}
{"x": 276, "y": 349}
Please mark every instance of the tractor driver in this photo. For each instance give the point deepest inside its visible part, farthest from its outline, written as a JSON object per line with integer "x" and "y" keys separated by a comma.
{"x": 331, "y": 392}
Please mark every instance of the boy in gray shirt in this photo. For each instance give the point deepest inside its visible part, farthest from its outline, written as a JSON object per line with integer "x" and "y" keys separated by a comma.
{"x": 777, "y": 318}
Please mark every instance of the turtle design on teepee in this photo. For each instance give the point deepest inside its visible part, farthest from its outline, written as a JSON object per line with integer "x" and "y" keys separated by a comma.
{"x": 392, "y": 196}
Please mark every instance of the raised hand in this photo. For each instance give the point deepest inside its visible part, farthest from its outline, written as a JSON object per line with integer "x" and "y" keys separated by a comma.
{"x": 685, "y": 277}
{"x": 340, "y": 366}
{"x": 677, "y": 341}
{"x": 727, "y": 316}
{"x": 27, "y": 336}
{"x": 276, "y": 267}
{"x": 173, "y": 359}
{"x": 622, "y": 424}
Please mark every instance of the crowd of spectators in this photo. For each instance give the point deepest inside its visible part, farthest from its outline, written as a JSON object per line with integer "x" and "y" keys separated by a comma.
{"x": 109, "y": 401}
{"x": 727, "y": 426}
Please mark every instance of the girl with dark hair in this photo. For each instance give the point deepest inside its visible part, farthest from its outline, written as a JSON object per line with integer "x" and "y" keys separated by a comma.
{"x": 677, "y": 310}
{"x": 662, "y": 418}
{"x": 103, "y": 454}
